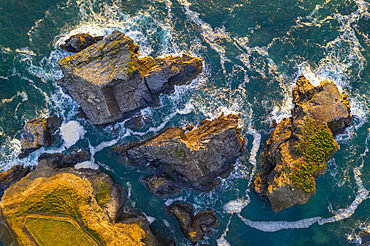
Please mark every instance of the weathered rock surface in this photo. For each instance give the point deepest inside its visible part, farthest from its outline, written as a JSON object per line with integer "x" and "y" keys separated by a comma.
{"x": 39, "y": 132}
{"x": 191, "y": 159}
{"x": 365, "y": 238}
{"x": 56, "y": 203}
{"x": 161, "y": 186}
{"x": 12, "y": 176}
{"x": 194, "y": 226}
{"x": 299, "y": 147}
{"x": 110, "y": 81}
{"x": 79, "y": 42}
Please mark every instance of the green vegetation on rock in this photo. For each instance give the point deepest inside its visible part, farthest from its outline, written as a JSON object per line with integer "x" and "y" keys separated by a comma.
{"x": 102, "y": 195}
{"x": 317, "y": 147}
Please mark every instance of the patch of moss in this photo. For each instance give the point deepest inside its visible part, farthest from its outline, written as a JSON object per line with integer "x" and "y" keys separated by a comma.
{"x": 180, "y": 153}
{"x": 102, "y": 195}
{"x": 318, "y": 145}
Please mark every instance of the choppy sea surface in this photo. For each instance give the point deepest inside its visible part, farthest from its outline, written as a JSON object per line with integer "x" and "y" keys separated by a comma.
{"x": 253, "y": 52}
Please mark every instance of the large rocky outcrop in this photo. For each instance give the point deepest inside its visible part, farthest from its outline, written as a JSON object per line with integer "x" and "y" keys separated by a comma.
{"x": 299, "y": 147}
{"x": 39, "y": 132}
{"x": 190, "y": 159}
{"x": 56, "y": 204}
{"x": 110, "y": 80}
{"x": 194, "y": 226}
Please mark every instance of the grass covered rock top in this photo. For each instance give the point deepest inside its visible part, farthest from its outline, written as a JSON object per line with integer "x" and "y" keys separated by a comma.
{"x": 299, "y": 147}
{"x": 60, "y": 205}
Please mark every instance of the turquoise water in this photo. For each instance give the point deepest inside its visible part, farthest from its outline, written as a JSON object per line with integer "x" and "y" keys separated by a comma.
{"x": 253, "y": 52}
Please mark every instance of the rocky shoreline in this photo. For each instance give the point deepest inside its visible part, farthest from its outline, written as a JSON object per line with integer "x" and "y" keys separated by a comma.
{"x": 110, "y": 81}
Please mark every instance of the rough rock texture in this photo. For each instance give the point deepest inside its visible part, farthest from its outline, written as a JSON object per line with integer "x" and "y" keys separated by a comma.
{"x": 161, "y": 186}
{"x": 12, "y": 176}
{"x": 193, "y": 226}
{"x": 365, "y": 238}
{"x": 110, "y": 81}
{"x": 191, "y": 159}
{"x": 85, "y": 206}
{"x": 79, "y": 42}
{"x": 299, "y": 147}
{"x": 39, "y": 132}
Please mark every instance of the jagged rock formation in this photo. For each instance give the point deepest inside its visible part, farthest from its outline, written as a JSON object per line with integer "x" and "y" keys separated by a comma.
{"x": 79, "y": 42}
{"x": 56, "y": 204}
{"x": 39, "y": 132}
{"x": 194, "y": 226}
{"x": 190, "y": 159}
{"x": 299, "y": 147}
{"x": 12, "y": 176}
{"x": 110, "y": 81}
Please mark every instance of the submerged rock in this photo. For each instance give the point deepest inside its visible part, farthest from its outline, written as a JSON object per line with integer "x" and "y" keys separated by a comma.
{"x": 161, "y": 186}
{"x": 87, "y": 206}
{"x": 299, "y": 147}
{"x": 79, "y": 42}
{"x": 39, "y": 132}
{"x": 191, "y": 159}
{"x": 110, "y": 81}
{"x": 194, "y": 226}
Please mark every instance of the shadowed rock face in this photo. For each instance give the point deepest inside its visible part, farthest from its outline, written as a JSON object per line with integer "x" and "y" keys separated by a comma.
{"x": 190, "y": 159}
{"x": 39, "y": 132}
{"x": 194, "y": 226}
{"x": 89, "y": 199}
{"x": 12, "y": 176}
{"x": 299, "y": 147}
{"x": 110, "y": 81}
{"x": 79, "y": 42}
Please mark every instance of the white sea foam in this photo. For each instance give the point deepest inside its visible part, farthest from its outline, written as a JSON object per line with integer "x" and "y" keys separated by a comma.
{"x": 222, "y": 242}
{"x": 149, "y": 218}
{"x": 71, "y": 132}
{"x": 87, "y": 164}
{"x": 272, "y": 226}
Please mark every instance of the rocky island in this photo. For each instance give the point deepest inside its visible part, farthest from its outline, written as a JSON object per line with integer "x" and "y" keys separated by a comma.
{"x": 57, "y": 204}
{"x": 110, "y": 80}
{"x": 299, "y": 147}
{"x": 195, "y": 159}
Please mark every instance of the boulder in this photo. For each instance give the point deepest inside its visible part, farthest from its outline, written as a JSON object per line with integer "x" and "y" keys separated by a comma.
{"x": 194, "y": 226}
{"x": 110, "y": 81}
{"x": 299, "y": 147}
{"x": 191, "y": 159}
{"x": 87, "y": 206}
{"x": 79, "y": 41}
{"x": 39, "y": 132}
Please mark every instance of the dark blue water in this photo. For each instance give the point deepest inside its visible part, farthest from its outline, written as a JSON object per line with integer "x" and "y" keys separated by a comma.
{"x": 253, "y": 52}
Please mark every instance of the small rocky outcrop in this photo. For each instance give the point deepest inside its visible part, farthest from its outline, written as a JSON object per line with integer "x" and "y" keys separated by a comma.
{"x": 39, "y": 132}
{"x": 161, "y": 186}
{"x": 110, "y": 81}
{"x": 79, "y": 41}
{"x": 12, "y": 176}
{"x": 299, "y": 147}
{"x": 189, "y": 159}
{"x": 86, "y": 205}
{"x": 194, "y": 226}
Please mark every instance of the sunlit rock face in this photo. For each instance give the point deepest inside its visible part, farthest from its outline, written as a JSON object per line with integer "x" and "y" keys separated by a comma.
{"x": 110, "y": 81}
{"x": 299, "y": 147}
{"x": 39, "y": 132}
{"x": 195, "y": 159}
{"x": 56, "y": 203}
